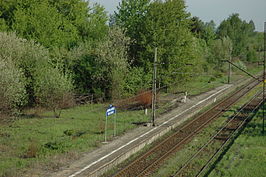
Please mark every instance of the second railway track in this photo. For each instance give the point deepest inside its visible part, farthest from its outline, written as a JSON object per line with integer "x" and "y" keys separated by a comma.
{"x": 148, "y": 162}
{"x": 224, "y": 136}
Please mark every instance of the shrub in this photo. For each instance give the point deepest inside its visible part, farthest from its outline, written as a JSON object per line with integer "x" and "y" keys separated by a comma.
{"x": 43, "y": 83}
{"x": 12, "y": 87}
{"x": 252, "y": 56}
{"x": 136, "y": 80}
{"x": 53, "y": 89}
{"x": 25, "y": 55}
{"x": 144, "y": 98}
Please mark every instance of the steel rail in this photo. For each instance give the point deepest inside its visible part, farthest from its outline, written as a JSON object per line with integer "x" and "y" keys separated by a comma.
{"x": 216, "y": 134}
{"x": 225, "y": 143}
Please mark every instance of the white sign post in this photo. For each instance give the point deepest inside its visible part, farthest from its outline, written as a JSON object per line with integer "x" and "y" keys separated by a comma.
{"x": 111, "y": 110}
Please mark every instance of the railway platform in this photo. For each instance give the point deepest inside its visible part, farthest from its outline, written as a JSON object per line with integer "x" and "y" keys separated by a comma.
{"x": 112, "y": 153}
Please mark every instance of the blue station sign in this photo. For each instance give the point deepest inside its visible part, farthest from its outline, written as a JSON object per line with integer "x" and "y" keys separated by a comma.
{"x": 111, "y": 110}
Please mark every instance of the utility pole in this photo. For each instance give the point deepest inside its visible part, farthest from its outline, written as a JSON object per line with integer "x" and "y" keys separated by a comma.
{"x": 264, "y": 77}
{"x": 229, "y": 70}
{"x": 230, "y": 66}
{"x": 154, "y": 87}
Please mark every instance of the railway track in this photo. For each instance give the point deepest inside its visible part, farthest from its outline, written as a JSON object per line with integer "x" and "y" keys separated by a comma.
{"x": 148, "y": 162}
{"x": 224, "y": 135}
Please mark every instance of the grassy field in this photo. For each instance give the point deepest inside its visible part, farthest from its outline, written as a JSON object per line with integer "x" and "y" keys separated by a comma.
{"x": 247, "y": 156}
{"x": 40, "y": 141}
{"x": 80, "y": 129}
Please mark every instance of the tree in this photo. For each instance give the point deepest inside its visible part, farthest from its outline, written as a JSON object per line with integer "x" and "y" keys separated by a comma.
{"x": 59, "y": 23}
{"x": 44, "y": 24}
{"x": 239, "y": 32}
{"x": 221, "y": 49}
{"x": 101, "y": 69}
{"x": 112, "y": 57}
{"x": 203, "y": 30}
{"x": 167, "y": 27}
{"x": 97, "y": 27}
{"x": 197, "y": 26}
{"x": 131, "y": 16}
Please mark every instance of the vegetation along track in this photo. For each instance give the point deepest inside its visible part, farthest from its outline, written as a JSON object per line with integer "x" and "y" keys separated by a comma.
{"x": 223, "y": 137}
{"x": 148, "y": 162}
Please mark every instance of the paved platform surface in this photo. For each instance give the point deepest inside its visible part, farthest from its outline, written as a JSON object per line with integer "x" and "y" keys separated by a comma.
{"x": 112, "y": 153}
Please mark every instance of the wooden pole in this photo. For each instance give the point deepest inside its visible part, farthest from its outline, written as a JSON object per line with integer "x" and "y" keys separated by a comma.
{"x": 154, "y": 88}
{"x": 230, "y": 70}
{"x": 264, "y": 77}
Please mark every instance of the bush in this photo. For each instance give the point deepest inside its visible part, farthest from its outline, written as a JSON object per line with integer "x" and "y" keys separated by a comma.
{"x": 53, "y": 90}
{"x": 136, "y": 80}
{"x": 27, "y": 69}
{"x": 252, "y": 56}
{"x": 25, "y": 55}
{"x": 144, "y": 98}
{"x": 12, "y": 87}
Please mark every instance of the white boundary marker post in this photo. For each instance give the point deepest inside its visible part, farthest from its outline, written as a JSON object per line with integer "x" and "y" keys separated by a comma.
{"x": 105, "y": 134}
{"x": 115, "y": 124}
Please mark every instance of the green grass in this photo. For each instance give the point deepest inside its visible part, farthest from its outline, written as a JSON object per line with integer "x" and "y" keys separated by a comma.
{"x": 198, "y": 85}
{"x": 247, "y": 156}
{"x": 80, "y": 129}
{"x": 203, "y": 83}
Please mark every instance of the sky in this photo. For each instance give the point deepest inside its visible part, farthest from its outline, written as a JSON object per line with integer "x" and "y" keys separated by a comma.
{"x": 216, "y": 10}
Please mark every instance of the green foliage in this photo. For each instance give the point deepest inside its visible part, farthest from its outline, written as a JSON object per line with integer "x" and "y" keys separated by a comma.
{"x": 131, "y": 16}
{"x": 239, "y": 32}
{"x": 44, "y": 24}
{"x": 52, "y": 89}
{"x": 203, "y": 30}
{"x": 112, "y": 57}
{"x": 167, "y": 28}
{"x": 26, "y": 56}
{"x": 12, "y": 87}
{"x": 89, "y": 20}
{"x": 54, "y": 23}
{"x": 64, "y": 27}
{"x": 101, "y": 69}
{"x": 32, "y": 63}
{"x": 251, "y": 55}
{"x": 3, "y": 26}
{"x": 112, "y": 62}
{"x": 137, "y": 80}
{"x": 220, "y": 50}
{"x": 241, "y": 65}
{"x": 97, "y": 28}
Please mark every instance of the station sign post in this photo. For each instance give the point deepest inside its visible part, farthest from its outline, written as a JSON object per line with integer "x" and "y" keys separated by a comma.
{"x": 110, "y": 111}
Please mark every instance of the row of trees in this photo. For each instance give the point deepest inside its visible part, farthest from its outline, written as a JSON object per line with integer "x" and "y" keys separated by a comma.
{"x": 54, "y": 48}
